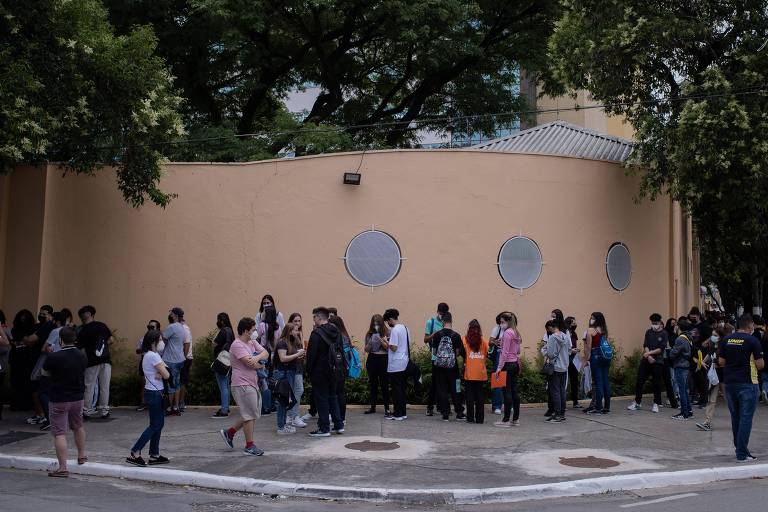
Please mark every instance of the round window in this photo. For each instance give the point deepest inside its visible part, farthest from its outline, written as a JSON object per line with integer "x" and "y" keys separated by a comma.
{"x": 618, "y": 266}
{"x": 520, "y": 262}
{"x": 373, "y": 258}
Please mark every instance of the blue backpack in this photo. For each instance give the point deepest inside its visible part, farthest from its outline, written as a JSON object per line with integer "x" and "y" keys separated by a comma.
{"x": 606, "y": 350}
{"x": 354, "y": 365}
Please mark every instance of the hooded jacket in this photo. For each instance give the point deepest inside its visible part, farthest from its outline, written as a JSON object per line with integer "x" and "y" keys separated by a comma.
{"x": 681, "y": 351}
{"x": 557, "y": 350}
{"x": 317, "y": 352}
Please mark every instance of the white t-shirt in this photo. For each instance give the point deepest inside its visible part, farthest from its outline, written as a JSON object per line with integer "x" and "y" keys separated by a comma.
{"x": 188, "y": 340}
{"x": 398, "y": 360}
{"x": 152, "y": 379}
{"x": 53, "y": 339}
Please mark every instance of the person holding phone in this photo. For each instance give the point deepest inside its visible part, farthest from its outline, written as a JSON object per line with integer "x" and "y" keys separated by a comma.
{"x": 376, "y": 364}
{"x": 288, "y": 351}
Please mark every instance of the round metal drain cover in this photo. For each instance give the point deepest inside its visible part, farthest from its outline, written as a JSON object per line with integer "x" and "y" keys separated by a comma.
{"x": 372, "y": 446}
{"x": 589, "y": 462}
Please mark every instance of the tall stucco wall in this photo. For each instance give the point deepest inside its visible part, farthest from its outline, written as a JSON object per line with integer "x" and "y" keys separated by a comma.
{"x": 237, "y": 231}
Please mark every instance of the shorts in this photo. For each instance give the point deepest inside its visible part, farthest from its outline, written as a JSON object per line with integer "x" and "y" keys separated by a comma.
{"x": 184, "y": 376}
{"x": 62, "y": 414}
{"x": 248, "y": 399}
{"x": 174, "y": 381}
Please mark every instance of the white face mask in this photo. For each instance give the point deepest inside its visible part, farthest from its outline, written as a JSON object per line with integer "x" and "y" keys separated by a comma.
{"x": 714, "y": 338}
{"x": 656, "y": 327}
{"x": 591, "y": 321}
{"x": 503, "y": 326}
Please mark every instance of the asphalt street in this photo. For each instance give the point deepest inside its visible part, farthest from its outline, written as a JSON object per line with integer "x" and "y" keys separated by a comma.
{"x": 29, "y": 491}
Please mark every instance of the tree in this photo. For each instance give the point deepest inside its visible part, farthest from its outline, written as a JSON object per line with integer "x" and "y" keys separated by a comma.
{"x": 690, "y": 76}
{"x": 396, "y": 64}
{"x": 72, "y": 91}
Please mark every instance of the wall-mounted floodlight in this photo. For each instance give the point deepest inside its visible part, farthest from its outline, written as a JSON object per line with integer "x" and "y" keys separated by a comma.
{"x": 352, "y": 178}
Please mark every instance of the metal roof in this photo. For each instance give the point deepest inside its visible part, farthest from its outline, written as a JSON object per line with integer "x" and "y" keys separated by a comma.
{"x": 562, "y": 139}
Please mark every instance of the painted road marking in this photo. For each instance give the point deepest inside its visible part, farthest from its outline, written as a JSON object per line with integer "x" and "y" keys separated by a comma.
{"x": 660, "y": 500}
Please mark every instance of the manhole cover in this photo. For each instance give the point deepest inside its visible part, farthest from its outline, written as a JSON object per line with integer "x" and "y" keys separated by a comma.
{"x": 15, "y": 437}
{"x": 372, "y": 446}
{"x": 589, "y": 462}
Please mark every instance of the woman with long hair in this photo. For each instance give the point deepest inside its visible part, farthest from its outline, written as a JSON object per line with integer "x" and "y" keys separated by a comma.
{"x": 600, "y": 367}
{"x": 288, "y": 350}
{"x": 346, "y": 342}
{"x": 298, "y": 380}
{"x": 223, "y": 341}
{"x": 376, "y": 363}
{"x": 475, "y": 375}
{"x": 494, "y": 351}
{"x": 266, "y": 302}
{"x": 266, "y": 334}
{"x": 509, "y": 361}
{"x": 21, "y": 361}
{"x": 558, "y": 318}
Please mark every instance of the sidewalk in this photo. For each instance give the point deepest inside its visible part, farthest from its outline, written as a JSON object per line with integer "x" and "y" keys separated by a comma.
{"x": 422, "y": 452}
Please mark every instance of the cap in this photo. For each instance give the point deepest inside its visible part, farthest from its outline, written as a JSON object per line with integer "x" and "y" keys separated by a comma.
{"x": 178, "y": 312}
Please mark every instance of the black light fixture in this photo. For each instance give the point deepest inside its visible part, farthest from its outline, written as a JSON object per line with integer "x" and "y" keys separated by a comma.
{"x": 352, "y": 178}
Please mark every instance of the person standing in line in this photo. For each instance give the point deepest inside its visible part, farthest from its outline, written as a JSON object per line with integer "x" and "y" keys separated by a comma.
{"x": 175, "y": 354}
{"x": 446, "y": 347}
{"x": 600, "y": 367}
{"x": 434, "y": 324}
{"x": 36, "y": 344}
{"x": 223, "y": 341}
{"x": 298, "y": 383}
{"x": 5, "y": 350}
{"x": 66, "y": 369}
{"x": 346, "y": 343}
{"x": 494, "y": 351}
{"x": 475, "y": 373}
{"x": 325, "y": 364}
{"x": 509, "y": 361}
{"x": 556, "y": 351}
{"x": 288, "y": 351}
{"x": 20, "y": 361}
{"x": 94, "y": 338}
{"x": 556, "y": 315}
{"x": 51, "y": 345}
{"x": 246, "y": 357}
{"x": 711, "y": 346}
{"x": 267, "y": 332}
{"x": 151, "y": 326}
{"x": 680, "y": 355}
{"x": 655, "y": 343}
{"x": 376, "y": 364}
{"x": 760, "y": 334}
{"x": 154, "y": 370}
{"x": 184, "y": 374}
{"x": 741, "y": 357}
{"x": 268, "y": 302}
{"x": 397, "y": 361}
{"x": 573, "y": 372}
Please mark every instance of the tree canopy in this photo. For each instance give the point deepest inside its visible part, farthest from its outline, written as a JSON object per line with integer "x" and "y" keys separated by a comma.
{"x": 691, "y": 78}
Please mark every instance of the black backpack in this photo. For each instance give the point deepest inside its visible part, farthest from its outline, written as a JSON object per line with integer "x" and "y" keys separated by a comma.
{"x": 337, "y": 363}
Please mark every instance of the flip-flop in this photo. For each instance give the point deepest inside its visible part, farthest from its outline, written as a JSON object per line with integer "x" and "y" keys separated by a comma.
{"x": 59, "y": 473}
{"x": 81, "y": 460}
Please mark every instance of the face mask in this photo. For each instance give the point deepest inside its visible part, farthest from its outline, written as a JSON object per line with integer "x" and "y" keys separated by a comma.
{"x": 714, "y": 338}
{"x": 219, "y": 324}
{"x": 591, "y": 321}
{"x": 376, "y": 327}
{"x": 41, "y": 318}
{"x": 656, "y": 327}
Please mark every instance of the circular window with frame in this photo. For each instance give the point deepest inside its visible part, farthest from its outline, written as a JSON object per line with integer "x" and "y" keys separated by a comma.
{"x": 618, "y": 267}
{"x": 373, "y": 258}
{"x": 520, "y": 262}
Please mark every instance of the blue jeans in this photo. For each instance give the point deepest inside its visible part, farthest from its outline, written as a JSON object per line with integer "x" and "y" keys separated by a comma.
{"x": 681, "y": 378}
{"x": 742, "y": 401}
{"x": 602, "y": 389}
{"x": 174, "y": 381}
{"x": 497, "y": 395}
{"x": 154, "y": 402}
{"x": 298, "y": 390}
{"x": 223, "y": 382}
{"x": 282, "y": 410}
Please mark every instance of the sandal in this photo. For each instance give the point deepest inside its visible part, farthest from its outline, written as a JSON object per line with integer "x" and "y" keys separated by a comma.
{"x": 59, "y": 473}
{"x": 81, "y": 460}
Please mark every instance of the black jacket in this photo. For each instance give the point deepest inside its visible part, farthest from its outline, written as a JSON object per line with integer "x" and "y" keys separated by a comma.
{"x": 317, "y": 353}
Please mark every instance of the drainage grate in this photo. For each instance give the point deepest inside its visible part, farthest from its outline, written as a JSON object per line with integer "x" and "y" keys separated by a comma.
{"x": 372, "y": 446}
{"x": 589, "y": 462}
{"x": 15, "y": 437}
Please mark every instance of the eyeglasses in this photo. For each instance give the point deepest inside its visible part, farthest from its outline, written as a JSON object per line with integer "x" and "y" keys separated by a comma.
{"x": 151, "y": 327}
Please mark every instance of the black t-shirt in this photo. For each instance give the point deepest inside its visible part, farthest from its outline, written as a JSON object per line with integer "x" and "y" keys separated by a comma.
{"x": 740, "y": 351}
{"x": 42, "y": 332}
{"x": 458, "y": 346}
{"x": 94, "y": 339}
{"x": 704, "y": 329}
{"x": 656, "y": 340}
{"x": 223, "y": 340}
{"x": 279, "y": 365}
{"x": 67, "y": 374}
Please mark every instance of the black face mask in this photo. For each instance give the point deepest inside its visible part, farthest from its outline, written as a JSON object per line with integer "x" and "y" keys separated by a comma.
{"x": 41, "y": 318}
{"x": 219, "y": 324}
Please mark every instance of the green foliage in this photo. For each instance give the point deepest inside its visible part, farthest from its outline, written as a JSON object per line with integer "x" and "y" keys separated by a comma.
{"x": 202, "y": 388}
{"x": 72, "y": 91}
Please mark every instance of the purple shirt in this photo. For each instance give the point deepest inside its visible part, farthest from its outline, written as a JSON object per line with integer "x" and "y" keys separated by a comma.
{"x": 510, "y": 348}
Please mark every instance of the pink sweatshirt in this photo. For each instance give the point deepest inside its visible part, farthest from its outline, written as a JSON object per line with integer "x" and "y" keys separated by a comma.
{"x": 510, "y": 348}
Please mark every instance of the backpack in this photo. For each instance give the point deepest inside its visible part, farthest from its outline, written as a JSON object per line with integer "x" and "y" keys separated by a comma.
{"x": 337, "y": 363}
{"x": 352, "y": 360}
{"x": 606, "y": 350}
{"x": 445, "y": 356}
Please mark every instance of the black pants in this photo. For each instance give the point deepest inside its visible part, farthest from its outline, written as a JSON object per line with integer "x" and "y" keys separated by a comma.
{"x": 701, "y": 385}
{"x": 550, "y": 394}
{"x": 667, "y": 377}
{"x": 557, "y": 383}
{"x": 341, "y": 398}
{"x": 475, "y": 400}
{"x": 2, "y": 391}
{"x": 312, "y": 407}
{"x": 511, "y": 398}
{"x": 376, "y": 366}
{"x": 432, "y": 394}
{"x": 573, "y": 379}
{"x": 654, "y": 371}
{"x": 324, "y": 391}
{"x": 445, "y": 379}
{"x": 397, "y": 381}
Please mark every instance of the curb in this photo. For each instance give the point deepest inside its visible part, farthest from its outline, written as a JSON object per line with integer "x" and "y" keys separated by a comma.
{"x": 403, "y": 496}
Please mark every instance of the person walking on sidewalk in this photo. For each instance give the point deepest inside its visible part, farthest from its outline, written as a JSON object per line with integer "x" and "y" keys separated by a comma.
{"x": 715, "y": 389}
{"x": 376, "y": 364}
{"x": 446, "y": 347}
{"x": 325, "y": 364}
{"x": 680, "y": 355}
{"x": 154, "y": 371}
{"x": 66, "y": 369}
{"x": 475, "y": 373}
{"x": 509, "y": 362}
{"x": 94, "y": 338}
{"x": 397, "y": 362}
{"x": 741, "y": 357}
{"x": 556, "y": 352}
{"x": 655, "y": 343}
{"x": 434, "y": 324}
{"x": 246, "y": 356}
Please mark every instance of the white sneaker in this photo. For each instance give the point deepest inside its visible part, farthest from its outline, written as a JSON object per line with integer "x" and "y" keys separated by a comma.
{"x": 497, "y": 411}
{"x": 634, "y": 406}
{"x": 307, "y": 417}
{"x": 298, "y": 422}
{"x": 287, "y": 429}
{"x": 655, "y": 408}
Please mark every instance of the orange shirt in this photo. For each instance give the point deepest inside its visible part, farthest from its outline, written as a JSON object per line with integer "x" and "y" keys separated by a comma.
{"x": 474, "y": 362}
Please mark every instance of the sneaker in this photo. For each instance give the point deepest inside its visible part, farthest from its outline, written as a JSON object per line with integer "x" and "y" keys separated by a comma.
{"x": 173, "y": 412}
{"x": 220, "y": 414}
{"x": 105, "y": 415}
{"x": 338, "y": 431}
{"x": 369, "y": 411}
{"x": 307, "y": 417}
{"x": 319, "y": 433}
{"x": 298, "y": 422}
{"x": 748, "y": 458}
{"x": 765, "y": 396}
{"x": 549, "y": 419}
{"x": 45, "y": 425}
{"x": 588, "y": 410}
{"x": 227, "y": 439}
{"x": 430, "y": 412}
{"x": 605, "y": 411}
{"x": 497, "y": 411}
{"x": 183, "y": 407}
{"x": 577, "y": 405}
{"x": 461, "y": 416}
{"x": 706, "y": 427}
{"x": 558, "y": 419}
{"x": 515, "y": 423}
{"x": 35, "y": 420}
{"x": 634, "y": 406}
{"x": 136, "y": 461}
{"x": 502, "y": 424}
{"x": 399, "y": 418}
{"x": 142, "y": 407}
{"x": 593, "y": 411}
{"x": 253, "y": 450}
{"x": 155, "y": 460}
{"x": 445, "y": 418}
{"x": 287, "y": 429}
{"x": 549, "y": 413}
{"x": 680, "y": 417}
{"x": 655, "y": 408}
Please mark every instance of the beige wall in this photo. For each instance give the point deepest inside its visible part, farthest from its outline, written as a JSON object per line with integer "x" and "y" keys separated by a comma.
{"x": 591, "y": 118}
{"x": 237, "y": 231}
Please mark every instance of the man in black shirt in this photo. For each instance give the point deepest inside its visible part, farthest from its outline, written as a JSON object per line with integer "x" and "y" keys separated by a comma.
{"x": 66, "y": 369}
{"x": 446, "y": 347}
{"x": 652, "y": 363}
{"x": 34, "y": 343}
{"x": 94, "y": 338}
